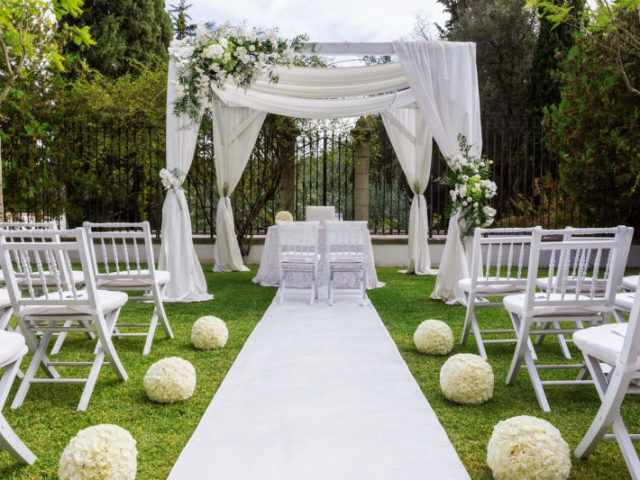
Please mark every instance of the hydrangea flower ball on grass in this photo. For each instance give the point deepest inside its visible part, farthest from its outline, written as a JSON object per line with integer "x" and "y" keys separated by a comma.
{"x": 284, "y": 216}
{"x": 527, "y": 448}
{"x": 170, "y": 380}
{"x": 101, "y": 452}
{"x": 467, "y": 379}
{"x": 209, "y": 333}
{"x": 433, "y": 337}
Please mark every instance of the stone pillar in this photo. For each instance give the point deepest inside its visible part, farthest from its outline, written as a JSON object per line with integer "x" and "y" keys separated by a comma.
{"x": 288, "y": 167}
{"x": 361, "y": 154}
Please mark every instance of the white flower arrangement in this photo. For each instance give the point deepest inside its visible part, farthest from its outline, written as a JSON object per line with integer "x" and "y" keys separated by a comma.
{"x": 170, "y": 380}
{"x": 470, "y": 189}
{"x": 209, "y": 333}
{"x": 467, "y": 379}
{"x": 214, "y": 55}
{"x": 433, "y": 337}
{"x": 101, "y": 452}
{"x": 528, "y": 448}
{"x": 284, "y": 216}
{"x": 173, "y": 178}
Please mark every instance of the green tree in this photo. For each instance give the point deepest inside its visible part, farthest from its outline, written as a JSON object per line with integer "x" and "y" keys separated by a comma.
{"x": 504, "y": 33}
{"x": 32, "y": 36}
{"x": 553, "y": 43}
{"x": 596, "y": 126}
{"x": 126, "y": 32}
{"x": 181, "y": 19}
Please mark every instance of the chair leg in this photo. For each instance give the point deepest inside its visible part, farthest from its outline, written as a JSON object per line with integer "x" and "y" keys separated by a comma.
{"x": 107, "y": 345}
{"x": 330, "y": 286}
{"x": 163, "y": 315}
{"x": 91, "y": 381}
{"x": 61, "y": 338}
{"x": 478, "y": 335}
{"x": 522, "y": 332}
{"x": 470, "y": 301}
{"x": 12, "y": 443}
{"x": 39, "y": 357}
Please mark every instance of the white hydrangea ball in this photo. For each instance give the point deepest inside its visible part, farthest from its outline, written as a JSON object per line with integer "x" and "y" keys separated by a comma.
{"x": 433, "y": 337}
{"x": 209, "y": 333}
{"x": 101, "y": 452}
{"x": 526, "y": 447}
{"x": 170, "y": 380}
{"x": 284, "y": 216}
{"x": 467, "y": 378}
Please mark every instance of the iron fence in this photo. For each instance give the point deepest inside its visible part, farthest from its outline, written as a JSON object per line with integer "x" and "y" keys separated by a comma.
{"x": 109, "y": 173}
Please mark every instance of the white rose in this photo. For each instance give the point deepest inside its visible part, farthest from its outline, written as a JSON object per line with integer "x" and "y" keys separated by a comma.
{"x": 465, "y": 178}
{"x": 464, "y": 204}
{"x": 476, "y": 205}
{"x": 488, "y": 211}
{"x": 469, "y": 199}
{"x": 252, "y": 48}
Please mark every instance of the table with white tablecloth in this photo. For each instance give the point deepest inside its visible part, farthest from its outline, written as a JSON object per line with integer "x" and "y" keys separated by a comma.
{"x": 269, "y": 272}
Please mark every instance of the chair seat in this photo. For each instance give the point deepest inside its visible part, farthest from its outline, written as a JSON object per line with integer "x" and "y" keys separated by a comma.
{"x": 515, "y": 304}
{"x": 11, "y": 344}
{"x": 509, "y": 286}
{"x": 308, "y": 259}
{"x": 36, "y": 281}
{"x": 603, "y": 342}
{"x": 543, "y": 284}
{"x": 631, "y": 282}
{"x": 108, "y": 300}
{"x": 346, "y": 259}
{"x": 162, "y": 278}
{"x": 5, "y": 301}
{"x": 624, "y": 301}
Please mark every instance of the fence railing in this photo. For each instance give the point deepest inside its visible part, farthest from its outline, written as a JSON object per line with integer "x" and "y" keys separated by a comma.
{"x": 106, "y": 173}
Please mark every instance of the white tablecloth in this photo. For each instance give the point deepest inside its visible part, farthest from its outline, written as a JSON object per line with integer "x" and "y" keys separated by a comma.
{"x": 269, "y": 272}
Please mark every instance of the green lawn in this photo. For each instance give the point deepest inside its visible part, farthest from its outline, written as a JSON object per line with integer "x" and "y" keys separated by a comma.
{"x": 48, "y": 418}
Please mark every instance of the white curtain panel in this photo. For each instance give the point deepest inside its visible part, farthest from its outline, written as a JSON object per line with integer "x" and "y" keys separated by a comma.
{"x": 177, "y": 253}
{"x": 413, "y": 145}
{"x": 235, "y": 130}
{"x": 444, "y": 82}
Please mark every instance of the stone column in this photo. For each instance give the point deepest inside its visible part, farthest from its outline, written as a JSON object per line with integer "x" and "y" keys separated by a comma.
{"x": 288, "y": 167}
{"x": 361, "y": 155}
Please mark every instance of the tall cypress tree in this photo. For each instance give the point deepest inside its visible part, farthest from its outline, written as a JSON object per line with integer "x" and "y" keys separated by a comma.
{"x": 551, "y": 47}
{"x": 126, "y": 32}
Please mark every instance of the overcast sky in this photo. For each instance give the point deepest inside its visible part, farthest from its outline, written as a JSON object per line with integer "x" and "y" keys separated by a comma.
{"x": 323, "y": 20}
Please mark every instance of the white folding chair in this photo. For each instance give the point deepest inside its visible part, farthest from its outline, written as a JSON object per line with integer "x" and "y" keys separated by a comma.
{"x": 347, "y": 253}
{"x": 6, "y": 309}
{"x": 12, "y": 349}
{"x": 61, "y": 307}
{"x": 630, "y": 283}
{"x": 122, "y": 259}
{"x": 320, "y": 214}
{"x": 617, "y": 345}
{"x": 498, "y": 258}
{"x": 298, "y": 253}
{"x": 572, "y": 234}
{"x": 570, "y": 303}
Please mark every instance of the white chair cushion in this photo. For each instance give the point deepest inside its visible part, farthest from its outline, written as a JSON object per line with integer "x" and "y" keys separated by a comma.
{"x": 543, "y": 282}
{"x": 630, "y": 283}
{"x": 162, "y": 278}
{"x": 107, "y": 299}
{"x": 346, "y": 259}
{"x": 624, "y": 301}
{"x": 11, "y": 344}
{"x": 5, "y": 301}
{"x": 515, "y": 304}
{"x": 36, "y": 281}
{"x": 509, "y": 286}
{"x": 603, "y": 342}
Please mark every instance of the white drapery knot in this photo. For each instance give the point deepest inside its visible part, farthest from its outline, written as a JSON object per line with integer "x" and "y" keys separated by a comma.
{"x": 172, "y": 179}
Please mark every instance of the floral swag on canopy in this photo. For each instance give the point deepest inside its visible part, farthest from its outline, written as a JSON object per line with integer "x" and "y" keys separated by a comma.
{"x": 214, "y": 55}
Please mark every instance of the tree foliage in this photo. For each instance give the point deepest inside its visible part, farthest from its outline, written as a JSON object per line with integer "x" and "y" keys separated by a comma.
{"x": 504, "y": 33}
{"x": 596, "y": 125}
{"x": 127, "y": 32}
{"x": 181, "y": 19}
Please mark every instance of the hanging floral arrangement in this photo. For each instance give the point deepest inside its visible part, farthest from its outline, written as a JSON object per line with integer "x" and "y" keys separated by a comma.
{"x": 215, "y": 55}
{"x": 471, "y": 190}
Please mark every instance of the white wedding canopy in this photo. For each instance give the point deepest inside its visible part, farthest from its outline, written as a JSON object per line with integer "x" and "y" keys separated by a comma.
{"x": 431, "y": 93}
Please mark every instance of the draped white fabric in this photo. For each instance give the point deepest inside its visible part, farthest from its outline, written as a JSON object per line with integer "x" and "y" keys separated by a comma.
{"x": 235, "y": 131}
{"x": 307, "y": 82}
{"x": 177, "y": 253}
{"x": 444, "y": 82}
{"x": 314, "y": 108}
{"x": 413, "y": 145}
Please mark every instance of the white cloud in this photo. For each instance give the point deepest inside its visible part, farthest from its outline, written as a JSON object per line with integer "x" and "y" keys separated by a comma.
{"x": 324, "y": 20}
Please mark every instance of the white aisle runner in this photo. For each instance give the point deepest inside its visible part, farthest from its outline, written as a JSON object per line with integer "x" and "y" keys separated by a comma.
{"x": 319, "y": 392}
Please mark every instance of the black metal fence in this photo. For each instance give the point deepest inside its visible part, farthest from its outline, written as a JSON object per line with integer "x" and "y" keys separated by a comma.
{"x": 104, "y": 172}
